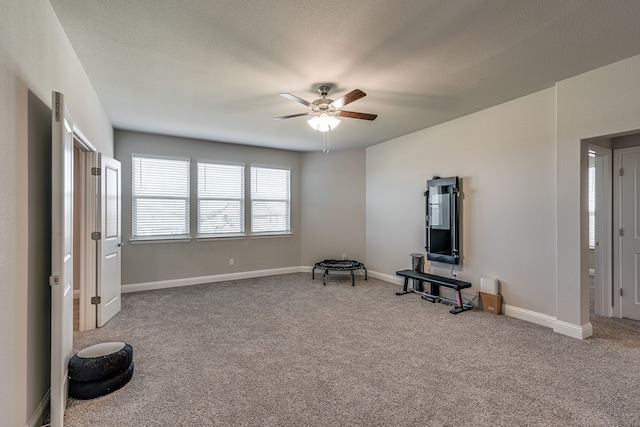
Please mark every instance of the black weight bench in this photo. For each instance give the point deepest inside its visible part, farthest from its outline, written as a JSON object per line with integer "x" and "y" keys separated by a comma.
{"x": 434, "y": 294}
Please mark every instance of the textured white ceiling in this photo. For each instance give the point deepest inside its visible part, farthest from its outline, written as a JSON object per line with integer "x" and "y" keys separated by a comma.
{"x": 213, "y": 69}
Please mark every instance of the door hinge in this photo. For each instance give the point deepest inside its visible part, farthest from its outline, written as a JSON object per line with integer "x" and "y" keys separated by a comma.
{"x": 621, "y": 292}
{"x": 57, "y": 106}
{"x": 621, "y": 172}
{"x": 96, "y": 171}
{"x": 96, "y": 235}
{"x": 95, "y": 300}
{"x": 54, "y": 280}
{"x": 621, "y": 232}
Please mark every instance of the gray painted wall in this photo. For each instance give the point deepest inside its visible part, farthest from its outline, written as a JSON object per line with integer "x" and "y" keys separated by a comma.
{"x": 150, "y": 262}
{"x": 505, "y": 158}
{"x": 626, "y": 141}
{"x": 597, "y": 104}
{"x": 333, "y": 206}
{"x": 39, "y": 255}
{"x": 524, "y": 170}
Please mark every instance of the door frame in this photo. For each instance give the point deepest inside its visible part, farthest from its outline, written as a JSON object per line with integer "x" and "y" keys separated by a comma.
{"x": 603, "y": 259}
{"x": 86, "y": 255}
{"x": 62, "y": 257}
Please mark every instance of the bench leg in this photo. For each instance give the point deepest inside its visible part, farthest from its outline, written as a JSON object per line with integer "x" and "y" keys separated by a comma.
{"x": 435, "y": 290}
{"x": 458, "y": 306}
{"x": 405, "y": 289}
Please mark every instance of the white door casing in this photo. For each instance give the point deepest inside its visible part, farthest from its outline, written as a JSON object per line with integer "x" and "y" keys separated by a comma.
{"x": 629, "y": 235}
{"x": 110, "y": 243}
{"x": 61, "y": 279}
{"x": 87, "y": 256}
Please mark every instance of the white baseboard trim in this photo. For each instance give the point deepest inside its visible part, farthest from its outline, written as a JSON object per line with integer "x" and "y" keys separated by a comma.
{"x": 189, "y": 281}
{"x": 574, "y": 331}
{"x": 38, "y": 415}
{"x": 386, "y": 277}
{"x": 559, "y": 326}
{"x": 529, "y": 316}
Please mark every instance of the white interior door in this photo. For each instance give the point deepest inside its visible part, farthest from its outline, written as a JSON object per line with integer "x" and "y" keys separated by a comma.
{"x": 109, "y": 248}
{"x": 61, "y": 279}
{"x": 629, "y": 217}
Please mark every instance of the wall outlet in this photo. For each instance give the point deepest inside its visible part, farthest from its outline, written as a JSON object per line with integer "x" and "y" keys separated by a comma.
{"x": 232, "y": 261}
{"x": 344, "y": 256}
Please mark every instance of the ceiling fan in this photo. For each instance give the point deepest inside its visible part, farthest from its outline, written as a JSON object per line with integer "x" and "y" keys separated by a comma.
{"x": 325, "y": 111}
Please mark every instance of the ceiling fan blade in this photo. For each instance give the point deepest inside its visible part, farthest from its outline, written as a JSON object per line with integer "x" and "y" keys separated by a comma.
{"x": 293, "y": 115}
{"x": 296, "y": 99}
{"x": 354, "y": 95}
{"x": 356, "y": 115}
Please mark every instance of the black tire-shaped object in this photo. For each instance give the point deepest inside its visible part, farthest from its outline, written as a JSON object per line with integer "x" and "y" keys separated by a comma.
{"x": 92, "y": 389}
{"x": 100, "y": 361}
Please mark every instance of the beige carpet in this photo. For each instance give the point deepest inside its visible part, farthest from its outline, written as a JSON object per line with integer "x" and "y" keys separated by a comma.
{"x": 287, "y": 351}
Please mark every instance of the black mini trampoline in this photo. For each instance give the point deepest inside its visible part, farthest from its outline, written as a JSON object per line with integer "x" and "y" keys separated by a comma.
{"x": 338, "y": 265}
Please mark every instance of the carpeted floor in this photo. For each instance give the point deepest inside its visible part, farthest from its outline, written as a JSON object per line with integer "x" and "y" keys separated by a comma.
{"x": 287, "y": 351}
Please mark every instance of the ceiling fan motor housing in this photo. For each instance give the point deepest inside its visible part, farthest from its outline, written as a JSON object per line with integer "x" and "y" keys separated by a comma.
{"x": 323, "y": 106}
{"x": 324, "y": 90}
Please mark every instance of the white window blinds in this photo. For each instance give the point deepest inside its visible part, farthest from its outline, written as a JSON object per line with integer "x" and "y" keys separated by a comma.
{"x": 270, "y": 200}
{"x": 220, "y": 199}
{"x": 160, "y": 197}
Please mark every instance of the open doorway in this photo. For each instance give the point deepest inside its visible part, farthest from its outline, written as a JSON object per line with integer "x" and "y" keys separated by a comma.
{"x": 84, "y": 213}
{"x": 96, "y": 236}
{"x": 600, "y": 228}
{"x": 606, "y": 230}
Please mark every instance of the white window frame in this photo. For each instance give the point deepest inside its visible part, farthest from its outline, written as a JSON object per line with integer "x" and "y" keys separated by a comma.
{"x": 262, "y": 199}
{"x": 185, "y": 234}
{"x": 240, "y": 231}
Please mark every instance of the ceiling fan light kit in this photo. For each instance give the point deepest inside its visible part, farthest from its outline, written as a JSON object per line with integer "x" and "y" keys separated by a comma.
{"x": 323, "y": 122}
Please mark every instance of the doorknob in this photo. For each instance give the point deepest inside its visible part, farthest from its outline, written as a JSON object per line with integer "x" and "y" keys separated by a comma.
{"x": 120, "y": 244}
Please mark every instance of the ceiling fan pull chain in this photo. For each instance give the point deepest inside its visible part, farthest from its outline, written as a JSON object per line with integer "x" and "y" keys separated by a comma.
{"x": 325, "y": 142}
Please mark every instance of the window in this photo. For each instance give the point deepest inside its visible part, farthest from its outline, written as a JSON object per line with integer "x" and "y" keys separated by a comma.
{"x": 220, "y": 199}
{"x": 270, "y": 200}
{"x": 160, "y": 197}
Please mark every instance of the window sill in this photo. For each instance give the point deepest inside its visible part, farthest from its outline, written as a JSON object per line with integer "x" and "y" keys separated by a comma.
{"x": 160, "y": 239}
{"x": 230, "y": 236}
{"x": 267, "y": 235}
